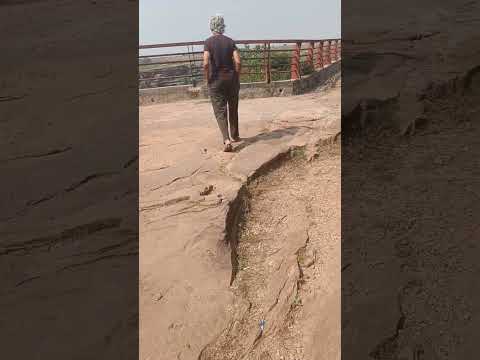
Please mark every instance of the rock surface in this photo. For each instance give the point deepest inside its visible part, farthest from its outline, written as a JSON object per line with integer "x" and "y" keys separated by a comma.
{"x": 68, "y": 225}
{"x": 185, "y": 260}
{"x": 409, "y": 165}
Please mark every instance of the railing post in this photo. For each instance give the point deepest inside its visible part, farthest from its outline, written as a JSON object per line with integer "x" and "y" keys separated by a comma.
{"x": 310, "y": 54}
{"x": 320, "y": 55}
{"x": 264, "y": 52}
{"x": 334, "y": 51}
{"x": 266, "y": 59}
{"x": 339, "y": 49}
{"x": 327, "y": 52}
{"x": 295, "y": 63}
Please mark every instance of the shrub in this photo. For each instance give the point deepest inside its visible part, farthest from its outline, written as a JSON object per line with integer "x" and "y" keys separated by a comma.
{"x": 252, "y": 59}
{"x": 280, "y": 61}
{"x": 306, "y": 68}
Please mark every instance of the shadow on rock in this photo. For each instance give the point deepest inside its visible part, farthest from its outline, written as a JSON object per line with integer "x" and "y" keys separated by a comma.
{"x": 265, "y": 136}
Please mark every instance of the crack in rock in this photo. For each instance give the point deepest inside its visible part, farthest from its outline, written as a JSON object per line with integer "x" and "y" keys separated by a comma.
{"x": 88, "y": 179}
{"x": 76, "y": 233}
{"x": 40, "y": 155}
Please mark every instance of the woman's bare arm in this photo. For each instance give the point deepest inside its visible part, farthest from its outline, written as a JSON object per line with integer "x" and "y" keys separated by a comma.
{"x": 206, "y": 64}
{"x": 237, "y": 60}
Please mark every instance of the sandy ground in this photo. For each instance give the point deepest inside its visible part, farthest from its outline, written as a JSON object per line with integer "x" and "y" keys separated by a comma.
{"x": 288, "y": 265}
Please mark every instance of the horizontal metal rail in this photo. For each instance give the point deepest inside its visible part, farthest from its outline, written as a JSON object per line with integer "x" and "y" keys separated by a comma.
{"x": 171, "y": 54}
{"x": 270, "y": 41}
{"x": 170, "y": 77}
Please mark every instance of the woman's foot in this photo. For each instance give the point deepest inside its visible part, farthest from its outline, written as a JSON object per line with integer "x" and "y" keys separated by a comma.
{"x": 237, "y": 139}
{"x": 227, "y": 146}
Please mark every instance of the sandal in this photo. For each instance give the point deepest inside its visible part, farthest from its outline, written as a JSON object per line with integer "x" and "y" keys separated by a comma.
{"x": 227, "y": 146}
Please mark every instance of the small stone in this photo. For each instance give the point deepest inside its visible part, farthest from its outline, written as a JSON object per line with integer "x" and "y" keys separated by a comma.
{"x": 207, "y": 190}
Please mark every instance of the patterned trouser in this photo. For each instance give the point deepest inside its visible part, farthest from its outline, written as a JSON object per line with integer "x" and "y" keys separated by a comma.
{"x": 224, "y": 92}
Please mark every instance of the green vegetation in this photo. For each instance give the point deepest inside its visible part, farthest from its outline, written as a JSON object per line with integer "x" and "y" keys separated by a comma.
{"x": 254, "y": 64}
{"x": 306, "y": 68}
{"x": 298, "y": 153}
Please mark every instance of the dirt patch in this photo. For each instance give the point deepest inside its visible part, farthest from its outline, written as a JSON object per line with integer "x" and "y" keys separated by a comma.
{"x": 288, "y": 257}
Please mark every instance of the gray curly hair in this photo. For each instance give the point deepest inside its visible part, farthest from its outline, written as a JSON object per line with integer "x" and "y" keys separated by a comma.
{"x": 217, "y": 24}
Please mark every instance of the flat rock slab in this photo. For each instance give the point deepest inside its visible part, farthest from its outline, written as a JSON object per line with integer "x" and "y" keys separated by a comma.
{"x": 186, "y": 187}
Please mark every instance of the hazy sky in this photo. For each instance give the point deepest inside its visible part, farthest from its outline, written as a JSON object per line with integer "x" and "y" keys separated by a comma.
{"x": 187, "y": 20}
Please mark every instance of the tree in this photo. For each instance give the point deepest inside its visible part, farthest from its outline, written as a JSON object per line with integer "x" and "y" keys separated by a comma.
{"x": 254, "y": 64}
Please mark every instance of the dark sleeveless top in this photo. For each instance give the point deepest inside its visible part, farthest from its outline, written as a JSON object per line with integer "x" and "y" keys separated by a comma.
{"x": 221, "y": 50}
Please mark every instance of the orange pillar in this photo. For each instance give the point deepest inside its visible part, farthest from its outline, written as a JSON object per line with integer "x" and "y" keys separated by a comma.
{"x": 295, "y": 63}
{"x": 310, "y": 54}
{"x": 320, "y": 55}
{"x": 333, "y": 51}
{"x": 326, "y": 52}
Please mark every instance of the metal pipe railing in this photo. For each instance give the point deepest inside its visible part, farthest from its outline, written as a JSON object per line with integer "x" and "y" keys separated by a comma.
{"x": 271, "y": 61}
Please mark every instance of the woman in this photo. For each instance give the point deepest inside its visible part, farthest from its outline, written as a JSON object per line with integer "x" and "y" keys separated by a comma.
{"x": 222, "y": 65}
